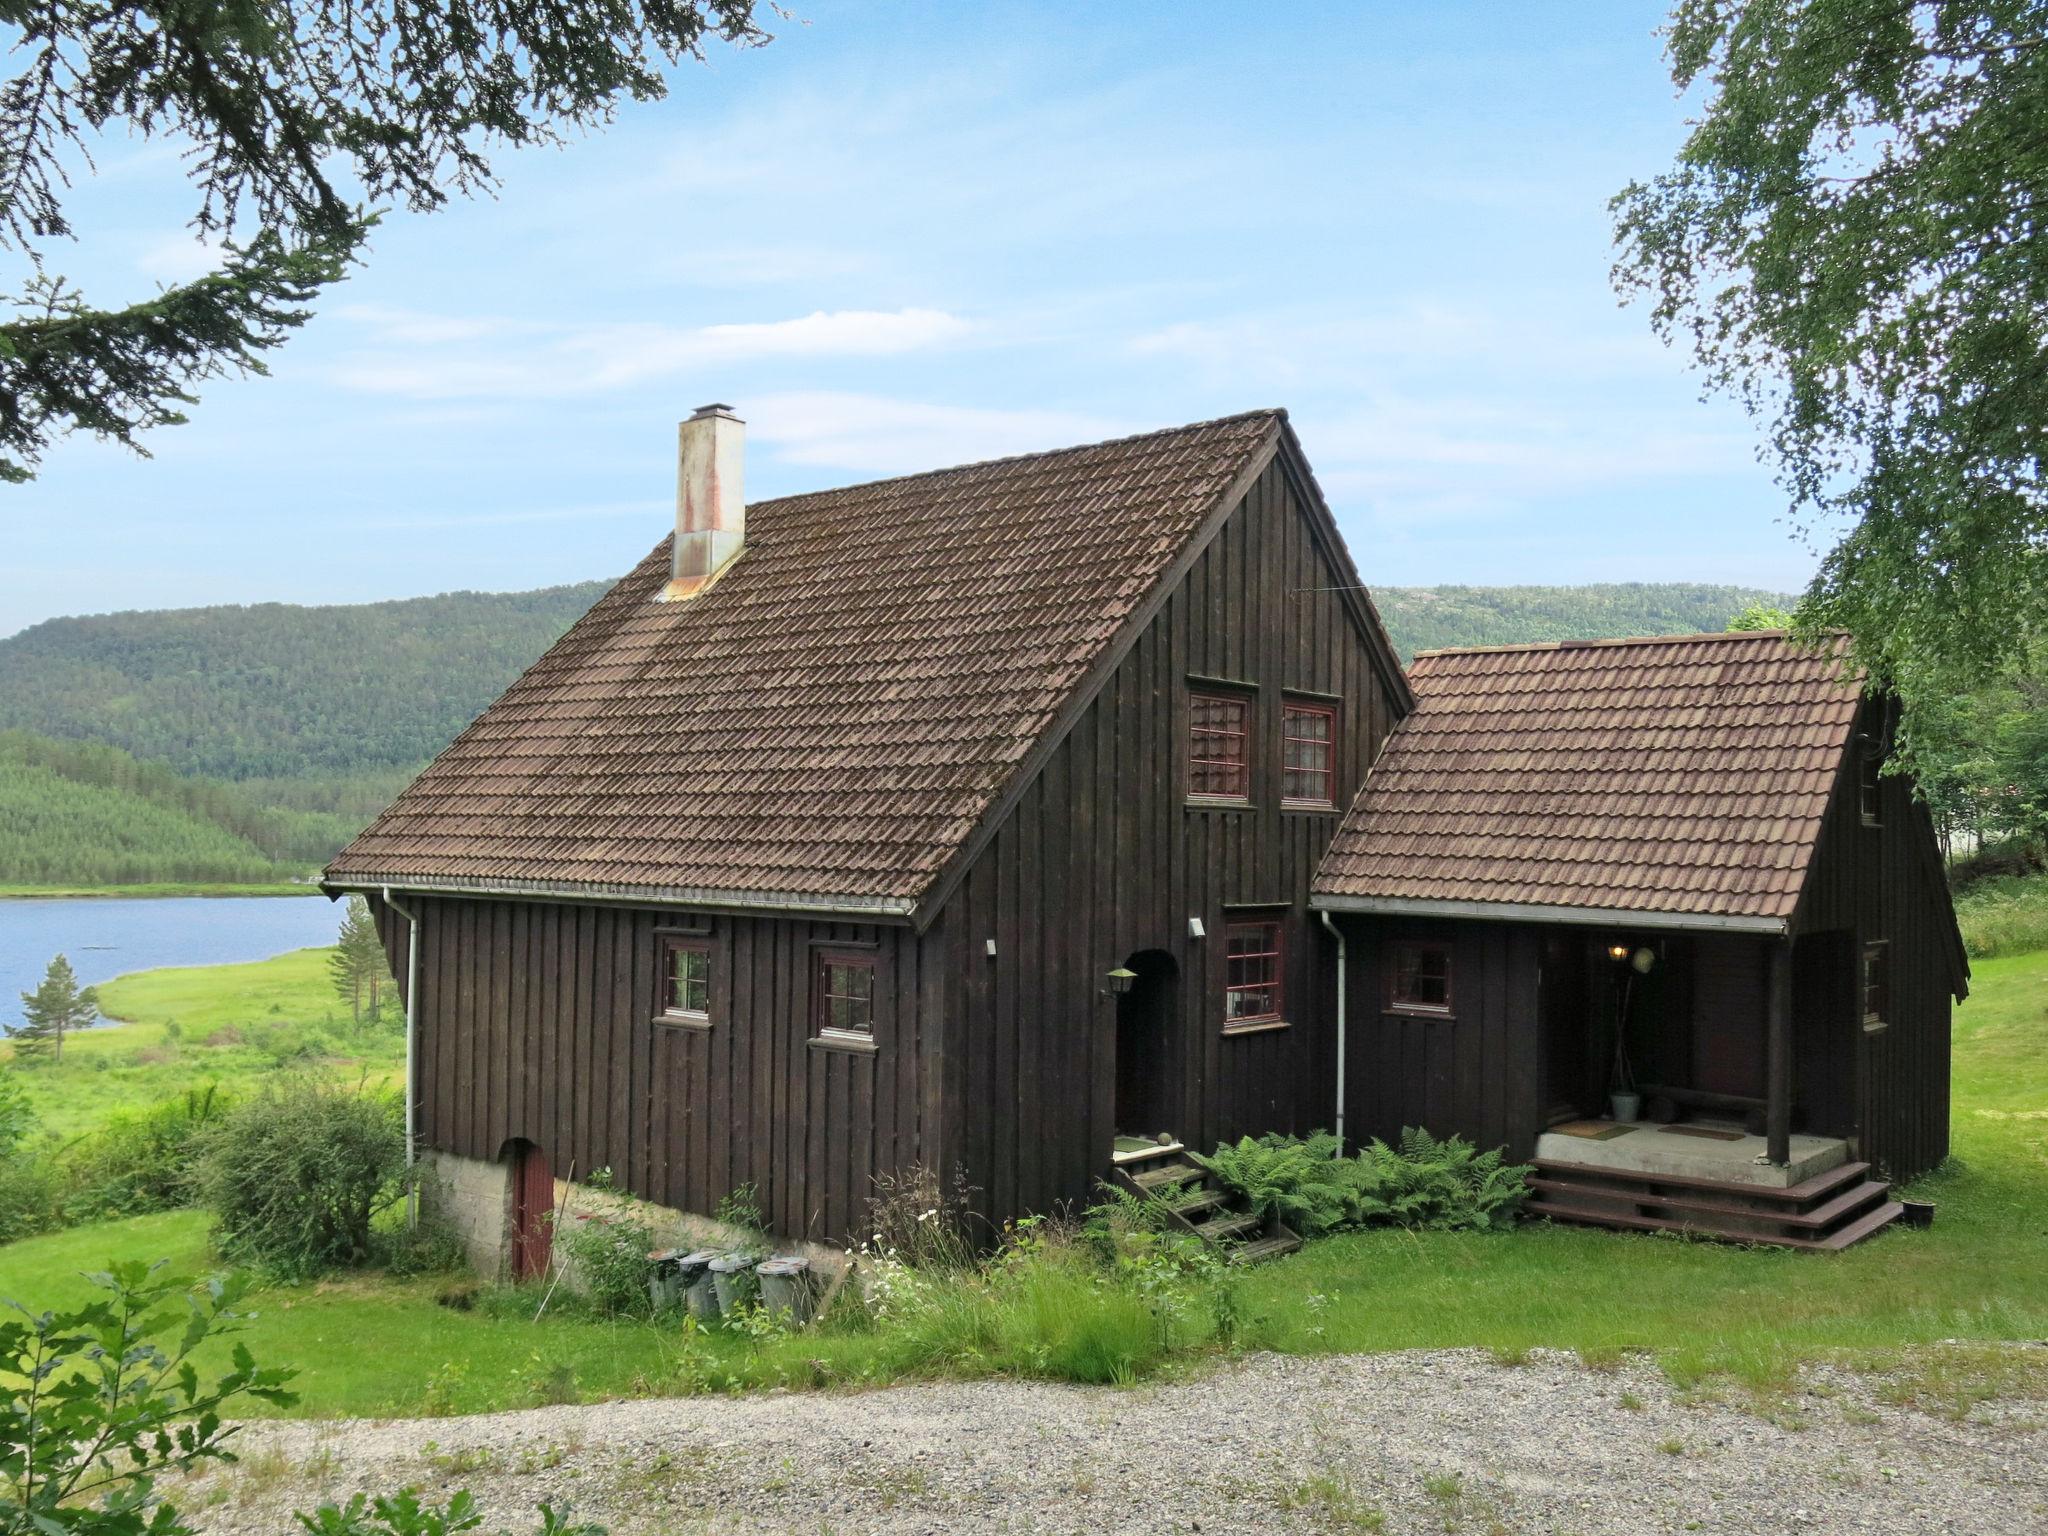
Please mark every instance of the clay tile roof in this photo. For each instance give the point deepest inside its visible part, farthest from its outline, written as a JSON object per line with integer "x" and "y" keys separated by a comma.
{"x": 1684, "y": 775}
{"x": 827, "y": 723}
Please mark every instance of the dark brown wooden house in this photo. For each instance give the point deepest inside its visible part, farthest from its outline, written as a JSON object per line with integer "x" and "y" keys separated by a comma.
{"x": 1686, "y": 843}
{"x": 964, "y": 819}
{"x": 971, "y": 819}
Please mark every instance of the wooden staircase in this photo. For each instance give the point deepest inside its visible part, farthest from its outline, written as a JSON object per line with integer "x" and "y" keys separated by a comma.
{"x": 1827, "y": 1212}
{"x": 1197, "y": 1203}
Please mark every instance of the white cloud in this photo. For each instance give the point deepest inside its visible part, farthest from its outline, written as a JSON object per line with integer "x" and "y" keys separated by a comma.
{"x": 178, "y": 258}
{"x": 435, "y": 357}
{"x": 882, "y": 436}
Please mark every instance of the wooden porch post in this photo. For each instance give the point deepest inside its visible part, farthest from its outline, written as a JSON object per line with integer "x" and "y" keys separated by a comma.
{"x": 1778, "y": 1079}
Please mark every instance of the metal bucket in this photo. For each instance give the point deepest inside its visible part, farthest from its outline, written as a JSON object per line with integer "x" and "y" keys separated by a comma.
{"x": 693, "y": 1277}
{"x": 786, "y": 1289}
{"x": 728, "y": 1278}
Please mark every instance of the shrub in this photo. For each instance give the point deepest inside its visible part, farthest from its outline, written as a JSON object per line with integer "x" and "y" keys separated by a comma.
{"x": 916, "y": 1219}
{"x": 140, "y": 1162}
{"x": 97, "y": 1402}
{"x": 31, "y": 1196}
{"x": 608, "y": 1249}
{"x": 1445, "y": 1184}
{"x": 429, "y": 1246}
{"x": 294, "y": 1175}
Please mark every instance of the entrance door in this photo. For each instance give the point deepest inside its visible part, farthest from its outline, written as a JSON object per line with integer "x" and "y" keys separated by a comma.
{"x": 533, "y": 1210}
{"x": 1566, "y": 1007}
{"x": 1144, "y": 1037}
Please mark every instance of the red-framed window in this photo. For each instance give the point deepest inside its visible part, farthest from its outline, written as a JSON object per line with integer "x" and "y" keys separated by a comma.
{"x": 1308, "y": 753}
{"x": 1254, "y": 973}
{"x": 1877, "y": 985}
{"x": 1870, "y": 786}
{"x": 1219, "y": 746}
{"x": 1419, "y": 977}
{"x": 843, "y": 996}
{"x": 685, "y": 979}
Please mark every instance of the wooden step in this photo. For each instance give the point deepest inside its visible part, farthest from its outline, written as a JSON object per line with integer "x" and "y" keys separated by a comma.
{"x": 1155, "y": 1181}
{"x": 1221, "y": 1228}
{"x": 1265, "y": 1248}
{"x": 1815, "y": 1188}
{"x": 1140, "y": 1156}
{"x": 1855, "y": 1231}
{"x": 1826, "y": 1215}
{"x": 1201, "y": 1200}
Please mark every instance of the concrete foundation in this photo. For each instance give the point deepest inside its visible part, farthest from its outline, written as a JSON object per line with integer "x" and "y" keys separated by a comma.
{"x": 476, "y": 1198}
{"x": 1667, "y": 1149}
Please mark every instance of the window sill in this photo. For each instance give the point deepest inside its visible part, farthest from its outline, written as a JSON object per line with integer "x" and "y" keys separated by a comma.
{"x": 1257, "y": 1026}
{"x": 683, "y": 1020}
{"x": 1218, "y": 803}
{"x": 1876, "y": 1026}
{"x": 1315, "y": 807}
{"x": 852, "y": 1045}
{"x": 1397, "y": 1011}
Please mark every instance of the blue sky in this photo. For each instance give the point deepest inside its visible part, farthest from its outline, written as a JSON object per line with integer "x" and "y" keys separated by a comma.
{"x": 903, "y": 236}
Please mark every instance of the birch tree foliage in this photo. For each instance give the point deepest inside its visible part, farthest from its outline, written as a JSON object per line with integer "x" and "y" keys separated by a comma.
{"x": 298, "y": 119}
{"x": 1849, "y": 242}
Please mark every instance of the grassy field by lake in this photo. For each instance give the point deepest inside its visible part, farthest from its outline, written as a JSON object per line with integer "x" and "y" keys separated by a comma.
{"x": 1707, "y": 1311}
{"x": 190, "y": 1026}
{"x": 157, "y": 888}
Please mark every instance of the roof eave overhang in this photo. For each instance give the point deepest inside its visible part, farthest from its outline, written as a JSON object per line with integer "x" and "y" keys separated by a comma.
{"x": 872, "y": 909}
{"x": 1533, "y": 912}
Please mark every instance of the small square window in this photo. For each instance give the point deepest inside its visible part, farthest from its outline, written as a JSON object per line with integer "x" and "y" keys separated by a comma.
{"x": 1219, "y": 758}
{"x": 843, "y": 997}
{"x": 1308, "y": 754}
{"x": 1254, "y": 985}
{"x": 685, "y": 980}
{"x": 1419, "y": 980}
{"x": 1877, "y": 986}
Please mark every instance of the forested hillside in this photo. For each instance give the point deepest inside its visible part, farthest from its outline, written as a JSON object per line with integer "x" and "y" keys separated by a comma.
{"x": 1430, "y": 618}
{"x": 207, "y": 744}
{"x": 277, "y": 691}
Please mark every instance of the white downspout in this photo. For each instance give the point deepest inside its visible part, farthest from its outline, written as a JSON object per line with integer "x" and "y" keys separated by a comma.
{"x": 412, "y": 1004}
{"x": 1342, "y": 977}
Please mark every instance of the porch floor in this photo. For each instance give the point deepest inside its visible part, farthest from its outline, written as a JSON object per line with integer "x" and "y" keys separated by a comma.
{"x": 1729, "y": 1155}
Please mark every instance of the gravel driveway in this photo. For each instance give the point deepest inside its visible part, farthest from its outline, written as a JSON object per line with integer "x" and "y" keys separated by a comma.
{"x": 1424, "y": 1442}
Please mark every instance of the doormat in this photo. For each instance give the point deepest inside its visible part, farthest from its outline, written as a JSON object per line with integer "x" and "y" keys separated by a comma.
{"x": 1702, "y": 1132}
{"x": 1593, "y": 1130}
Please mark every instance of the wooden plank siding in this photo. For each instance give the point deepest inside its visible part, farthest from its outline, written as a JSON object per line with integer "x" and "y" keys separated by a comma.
{"x": 536, "y": 1022}
{"x": 1870, "y": 884}
{"x": 1103, "y": 857}
{"x": 1473, "y": 1072}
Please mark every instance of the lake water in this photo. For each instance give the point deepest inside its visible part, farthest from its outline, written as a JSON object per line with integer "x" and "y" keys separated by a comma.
{"x": 105, "y": 937}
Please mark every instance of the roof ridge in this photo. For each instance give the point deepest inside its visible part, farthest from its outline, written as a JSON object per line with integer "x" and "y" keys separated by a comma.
{"x": 1618, "y": 640}
{"x": 1276, "y": 413}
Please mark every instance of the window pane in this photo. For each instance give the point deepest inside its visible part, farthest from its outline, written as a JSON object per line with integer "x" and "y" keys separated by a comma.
{"x": 1422, "y": 976}
{"x": 1252, "y": 972}
{"x": 689, "y": 979}
{"x": 1308, "y": 753}
{"x": 1217, "y": 753}
{"x": 846, "y": 996}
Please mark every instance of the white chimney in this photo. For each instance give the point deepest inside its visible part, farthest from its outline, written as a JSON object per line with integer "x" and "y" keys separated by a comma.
{"x": 711, "y": 502}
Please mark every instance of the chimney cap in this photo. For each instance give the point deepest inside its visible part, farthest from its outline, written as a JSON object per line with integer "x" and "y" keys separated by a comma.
{"x": 715, "y": 408}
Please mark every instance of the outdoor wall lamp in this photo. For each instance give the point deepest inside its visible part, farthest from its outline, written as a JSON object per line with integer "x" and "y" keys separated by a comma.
{"x": 1643, "y": 959}
{"x": 1617, "y": 952}
{"x": 1120, "y": 980}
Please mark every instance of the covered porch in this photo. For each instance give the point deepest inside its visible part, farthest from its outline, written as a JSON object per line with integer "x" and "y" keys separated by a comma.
{"x": 1703, "y": 1081}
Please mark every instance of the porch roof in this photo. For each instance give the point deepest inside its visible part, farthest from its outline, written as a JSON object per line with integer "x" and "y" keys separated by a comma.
{"x": 1678, "y": 780}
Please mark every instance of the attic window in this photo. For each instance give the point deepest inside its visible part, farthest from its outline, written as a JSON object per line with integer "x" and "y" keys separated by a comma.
{"x": 1870, "y": 785}
{"x": 1219, "y": 760}
{"x": 1308, "y": 754}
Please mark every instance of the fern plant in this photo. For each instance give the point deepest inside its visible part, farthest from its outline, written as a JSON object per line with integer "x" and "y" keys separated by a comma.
{"x": 1445, "y": 1184}
{"x": 1303, "y": 1182}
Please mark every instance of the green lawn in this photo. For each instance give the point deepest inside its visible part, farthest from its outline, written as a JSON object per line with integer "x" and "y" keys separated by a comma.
{"x": 189, "y": 1026}
{"x": 368, "y": 1346}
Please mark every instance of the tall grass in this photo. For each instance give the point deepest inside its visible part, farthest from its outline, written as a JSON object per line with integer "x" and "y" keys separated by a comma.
{"x": 2004, "y": 915}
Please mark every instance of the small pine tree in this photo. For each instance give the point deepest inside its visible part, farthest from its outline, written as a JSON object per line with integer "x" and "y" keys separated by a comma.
{"x": 59, "y": 1005}
{"x": 358, "y": 963}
